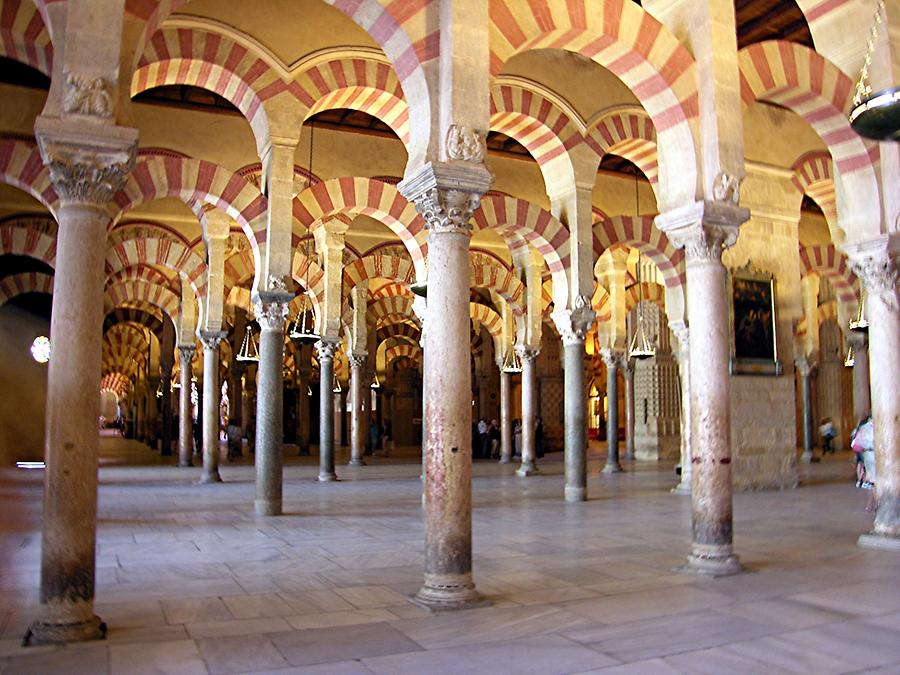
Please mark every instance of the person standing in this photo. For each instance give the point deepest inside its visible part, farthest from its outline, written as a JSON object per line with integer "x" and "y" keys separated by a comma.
{"x": 826, "y": 431}
{"x": 482, "y": 438}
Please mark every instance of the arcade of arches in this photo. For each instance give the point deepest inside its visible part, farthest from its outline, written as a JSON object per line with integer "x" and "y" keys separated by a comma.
{"x": 470, "y": 209}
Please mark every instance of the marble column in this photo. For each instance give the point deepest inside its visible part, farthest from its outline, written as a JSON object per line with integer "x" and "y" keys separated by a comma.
{"x": 185, "y": 410}
{"x": 573, "y": 325}
{"x": 611, "y": 359}
{"x": 211, "y": 394}
{"x": 628, "y": 377}
{"x": 805, "y": 370}
{"x": 528, "y": 356}
{"x": 327, "y": 348}
{"x": 862, "y": 398}
{"x": 165, "y": 404}
{"x": 271, "y": 308}
{"x": 506, "y": 440}
{"x": 447, "y": 444}
{"x": 682, "y": 334}
{"x": 704, "y": 229}
{"x": 86, "y": 171}
{"x": 198, "y": 445}
{"x": 877, "y": 264}
{"x": 357, "y": 418}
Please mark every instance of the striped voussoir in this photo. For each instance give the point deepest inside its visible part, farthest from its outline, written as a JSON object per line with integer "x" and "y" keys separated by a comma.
{"x": 24, "y": 282}
{"x": 628, "y": 133}
{"x": 29, "y": 237}
{"x": 138, "y": 291}
{"x": 485, "y": 316}
{"x": 24, "y": 36}
{"x": 21, "y": 166}
{"x": 161, "y": 252}
{"x": 400, "y": 351}
{"x": 813, "y": 177}
{"x": 639, "y": 232}
{"x": 382, "y": 311}
{"x": 826, "y": 260}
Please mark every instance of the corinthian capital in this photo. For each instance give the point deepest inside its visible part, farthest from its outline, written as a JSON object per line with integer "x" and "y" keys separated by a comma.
{"x": 271, "y": 309}
{"x": 186, "y": 353}
{"x": 357, "y": 359}
{"x": 448, "y": 210}
{"x": 703, "y": 229}
{"x": 877, "y": 264}
{"x": 212, "y": 339}
{"x": 87, "y": 165}
{"x": 327, "y": 348}
{"x": 527, "y": 353}
{"x": 613, "y": 358}
{"x": 573, "y": 324}
{"x": 447, "y": 194}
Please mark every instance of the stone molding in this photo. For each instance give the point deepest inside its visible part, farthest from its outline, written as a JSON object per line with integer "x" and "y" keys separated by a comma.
{"x": 448, "y": 211}
{"x": 465, "y": 143}
{"x": 573, "y": 324}
{"x": 86, "y": 95}
{"x": 186, "y": 353}
{"x": 326, "y": 348}
{"x": 805, "y": 366}
{"x": 877, "y": 264}
{"x": 211, "y": 339}
{"x": 87, "y": 165}
{"x": 613, "y": 358}
{"x": 527, "y": 352}
{"x": 271, "y": 309}
{"x": 446, "y": 195}
{"x": 703, "y": 229}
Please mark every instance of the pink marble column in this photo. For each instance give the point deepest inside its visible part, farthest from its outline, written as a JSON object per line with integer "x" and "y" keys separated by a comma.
{"x": 682, "y": 334}
{"x": 529, "y": 411}
{"x": 447, "y": 445}
{"x": 877, "y": 264}
{"x": 862, "y": 398}
{"x": 211, "y": 394}
{"x": 704, "y": 229}
{"x": 506, "y": 441}
{"x": 86, "y": 172}
{"x": 357, "y": 418}
{"x": 185, "y": 408}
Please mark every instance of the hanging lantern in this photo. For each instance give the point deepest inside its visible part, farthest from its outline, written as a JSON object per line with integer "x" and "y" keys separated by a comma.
{"x": 337, "y": 385}
{"x": 175, "y": 383}
{"x": 308, "y": 390}
{"x": 875, "y": 115}
{"x": 420, "y": 287}
{"x": 511, "y": 362}
{"x": 375, "y": 383}
{"x": 159, "y": 391}
{"x": 860, "y": 324}
{"x": 850, "y": 361}
{"x": 304, "y": 325}
{"x": 249, "y": 350}
{"x": 640, "y": 347}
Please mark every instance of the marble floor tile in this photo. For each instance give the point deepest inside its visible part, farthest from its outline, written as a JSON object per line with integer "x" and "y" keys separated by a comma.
{"x": 78, "y": 660}
{"x": 192, "y": 610}
{"x": 257, "y": 605}
{"x": 321, "y": 645}
{"x": 240, "y": 654}
{"x": 626, "y": 607}
{"x": 156, "y": 658}
{"x": 348, "y": 618}
{"x": 368, "y": 597}
{"x": 205, "y": 629}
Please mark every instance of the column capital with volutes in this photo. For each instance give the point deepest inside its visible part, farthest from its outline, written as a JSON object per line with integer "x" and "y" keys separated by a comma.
{"x": 326, "y": 348}
{"x": 574, "y": 324}
{"x": 271, "y": 308}
{"x": 877, "y": 263}
{"x": 357, "y": 359}
{"x": 613, "y": 358}
{"x": 447, "y": 194}
{"x": 703, "y": 229}
{"x": 211, "y": 339}
{"x": 186, "y": 353}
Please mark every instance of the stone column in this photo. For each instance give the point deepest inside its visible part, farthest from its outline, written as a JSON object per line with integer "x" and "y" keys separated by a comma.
{"x": 198, "y": 446}
{"x": 628, "y": 376}
{"x": 877, "y": 264}
{"x": 862, "y": 399}
{"x": 704, "y": 229}
{"x": 447, "y": 444}
{"x": 573, "y": 325}
{"x": 805, "y": 369}
{"x": 611, "y": 359}
{"x": 358, "y": 423}
{"x": 165, "y": 404}
{"x": 682, "y": 334}
{"x": 86, "y": 172}
{"x": 271, "y": 308}
{"x": 506, "y": 441}
{"x": 528, "y": 356}
{"x": 211, "y": 395}
{"x": 326, "y": 347}
{"x": 185, "y": 412}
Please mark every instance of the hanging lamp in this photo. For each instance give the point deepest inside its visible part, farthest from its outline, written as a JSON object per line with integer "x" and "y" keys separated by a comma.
{"x": 640, "y": 347}
{"x": 875, "y": 115}
{"x": 860, "y": 324}
{"x": 304, "y": 328}
{"x": 850, "y": 361}
{"x": 375, "y": 383}
{"x": 249, "y": 350}
{"x": 336, "y": 389}
{"x": 418, "y": 287}
{"x": 511, "y": 362}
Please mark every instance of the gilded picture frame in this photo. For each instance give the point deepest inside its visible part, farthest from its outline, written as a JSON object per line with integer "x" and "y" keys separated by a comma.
{"x": 753, "y": 324}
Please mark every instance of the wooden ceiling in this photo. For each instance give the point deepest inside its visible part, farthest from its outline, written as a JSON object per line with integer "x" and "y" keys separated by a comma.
{"x": 760, "y": 20}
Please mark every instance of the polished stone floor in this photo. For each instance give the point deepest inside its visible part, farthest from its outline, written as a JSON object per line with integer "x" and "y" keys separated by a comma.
{"x": 190, "y": 581}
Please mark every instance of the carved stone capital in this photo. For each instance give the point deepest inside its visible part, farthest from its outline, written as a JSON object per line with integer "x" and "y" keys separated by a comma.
{"x": 86, "y": 165}
{"x": 613, "y": 358}
{"x": 877, "y": 264}
{"x": 271, "y": 309}
{"x": 465, "y": 143}
{"x": 573, "y": 324}
{"x": 527, "y": 352}
{"x": 448, "y": 211}
{"x": 357, "y": 359}
{"x": 447, "y": 194}
{"x": 327, "y": 348}
{"x": 703, "y": 229}
{"x": 805, "y": 366}
{"x": 211, "y": 339}
{"x": 186, "y": 353}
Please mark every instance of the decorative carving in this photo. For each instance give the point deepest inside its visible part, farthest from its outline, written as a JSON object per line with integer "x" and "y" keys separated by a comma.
{"x": 805, "y": 367}
{"x": 704, "y": 242}
{"x": 86, "y": 95}
{"x": 527, "y": 353}
{"x": 448, "y": 210}
{"x": 573, "y": 324}
{"x": 357, "y": 360}
{"x": 465, "y": 143}
{"x": 86, "y": 174}
{"x": 211, "y": 340}
{"x": 880, "y": 274}
{"x": 326, "y": 349}
{"x": 612, "y": 358}
{"x": 270, "y": 314}
{"x": 278, "y": 284}
{"x": 727, "y": 188}
{"x": 186, "y": 353}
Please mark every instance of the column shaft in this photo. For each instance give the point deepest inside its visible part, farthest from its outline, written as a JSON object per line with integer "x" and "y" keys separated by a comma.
{"x": 505, "y": 417}
{"x": 269, "y": 407}
{"x": 807, "y": 412}
{"x": 628, "y": 372}
{"x": 574, "y": 409}
{"x": 185, "y": 411}
{"x": 862, "y": 398}
{"x": 357, "y": 420}
{"x": 326, "y": 350}
{"x": 211, "y": 410}
{"x": 612, "y": 414}
{"x": 529, "y": 412}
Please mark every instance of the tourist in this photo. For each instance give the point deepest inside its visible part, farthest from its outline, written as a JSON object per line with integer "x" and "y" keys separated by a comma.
{"x": 863, "y": 443}
{"x": 826, "y": 431}
{"x": 517, "y": 437}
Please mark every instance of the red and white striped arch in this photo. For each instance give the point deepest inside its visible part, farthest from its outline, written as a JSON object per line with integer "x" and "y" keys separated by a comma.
{"x": 378, "y": 266}
{"x": 117, "y": 383}
{"x": 534, "y": 224}
{"x": 601, "y": 305}
{"x": 127, "y": 292}
{"x": 146, "y": 273}
{"x": 21, "y": 166}
{"x": 813, "y": 177}
{"x": 827, "y": 261}
{"x": 405, "y": 351}
{"x": 803, "y": 81}
{"x": 25, "y": 282}
{"x": 377, "y": 199}
{"x": 162, "y": 252}
{"x": 34, "y": 237}
{"x": 654, "y": 293}
{"x": 307, "y": 273}
{"x": 628, "y": 133}
{"x": 197, "y": 181}
{"x": 24, "y": 36}
{"x": 634, "y": 46}
{"x": 485, "y": 272}
{"x": 482, "y": 315}
{"x": 639, "y": 232}
{"x": 400, "y": 331}
{"x": 393, "y": 306}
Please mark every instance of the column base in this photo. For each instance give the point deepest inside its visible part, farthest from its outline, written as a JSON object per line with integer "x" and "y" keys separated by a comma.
{"x": 576, "y": 494}
{"x": 529, "y": 469}
{"x": 356, "y": 461}
{"x": 267, "y": 507}
{"x": 711, "y": 566}
{"x": 682, "y": 488}
{"x": 879, "y": 542}
{"x": 184, "y": 464}
{"x": 327, "y": 478}
{"x": 448, "y": 597}
{"x": 208, "y": 478}
{"x": 42, "y": 633}
{"x": 629, "y": 456}
{"x": 505, "y": 460}
{"x": 612, "y": 468}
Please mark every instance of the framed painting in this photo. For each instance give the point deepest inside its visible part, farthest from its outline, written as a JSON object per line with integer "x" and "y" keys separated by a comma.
{"x": 754, "y": 343}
